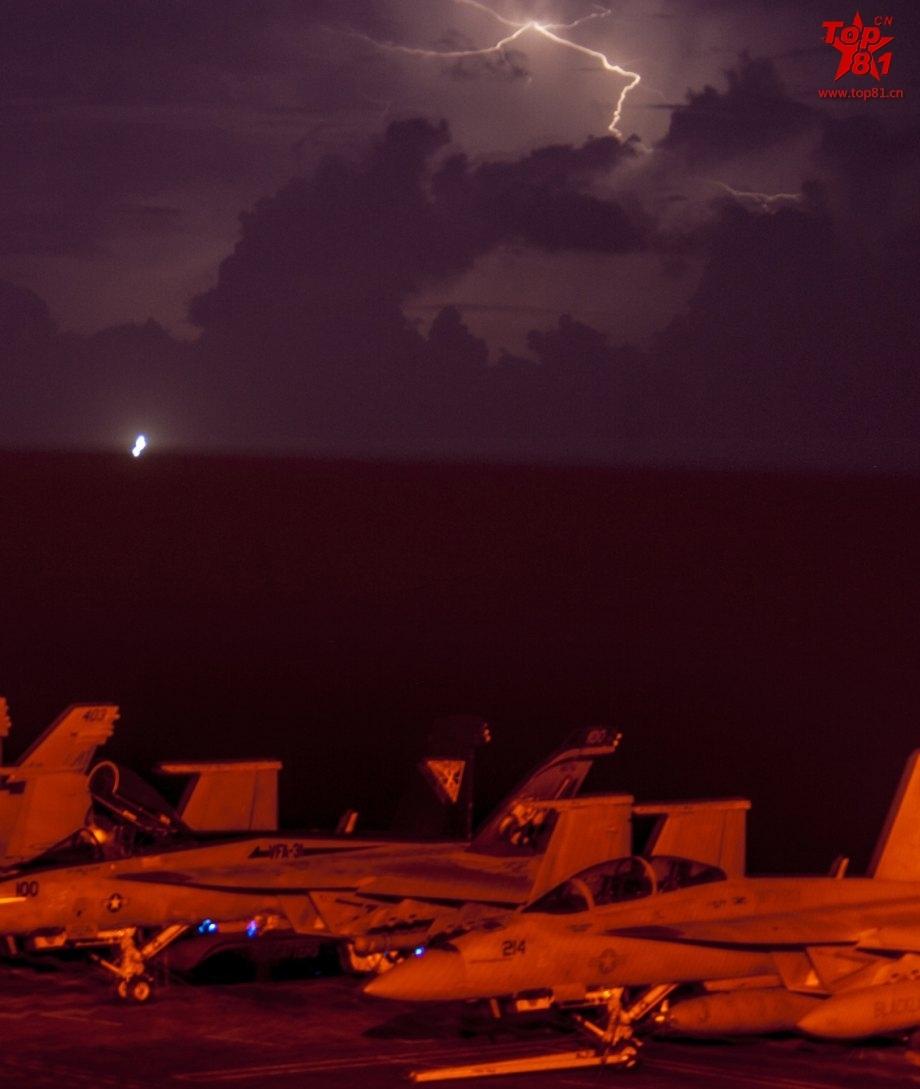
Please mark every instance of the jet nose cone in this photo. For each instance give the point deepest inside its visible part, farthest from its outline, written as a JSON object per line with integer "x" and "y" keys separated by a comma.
{"x": 436, "y": 975}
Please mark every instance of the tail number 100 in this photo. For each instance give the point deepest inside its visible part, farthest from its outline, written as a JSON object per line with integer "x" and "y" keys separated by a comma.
{"x": 27, "y": 888}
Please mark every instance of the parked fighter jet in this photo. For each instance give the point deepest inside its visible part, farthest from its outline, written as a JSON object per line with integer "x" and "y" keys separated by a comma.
{"x": 44, "y": 797}
{"x": 254, "y": 883}
{"x": 832, "y": 957}
{"x": 233, "y": 796}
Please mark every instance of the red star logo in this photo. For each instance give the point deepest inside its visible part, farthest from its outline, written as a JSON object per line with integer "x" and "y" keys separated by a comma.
{"x": 854, "y": 40}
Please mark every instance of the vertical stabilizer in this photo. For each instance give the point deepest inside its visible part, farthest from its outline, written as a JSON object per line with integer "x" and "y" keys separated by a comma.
{"x": 4, "y": 723}
{"x": 438, "y": 800}
{"x": 45, "y": 797}
{"x": 897, "y": 853}
{"x": 71, "y": 740}
{"x": 558, "y": 777}
{"x": 712, "y": 831}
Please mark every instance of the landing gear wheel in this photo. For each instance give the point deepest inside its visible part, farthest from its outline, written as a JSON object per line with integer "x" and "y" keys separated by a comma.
{"x": 357, "y": 964}
{"x": 630, "y": 1058}
{"x": 136, "y": 989}
{"x": 140, "y": 989}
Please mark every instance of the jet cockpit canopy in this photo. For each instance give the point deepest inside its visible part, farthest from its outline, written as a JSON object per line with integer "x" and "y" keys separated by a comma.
{"x": 623, "y": 879}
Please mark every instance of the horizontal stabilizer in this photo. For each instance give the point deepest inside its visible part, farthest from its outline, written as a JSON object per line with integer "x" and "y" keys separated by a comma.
{"x": 897, "y": 854}
{"x": 586, "y": 831}
{"x": 230, "y": 795}
{"x": 711, "y": 831}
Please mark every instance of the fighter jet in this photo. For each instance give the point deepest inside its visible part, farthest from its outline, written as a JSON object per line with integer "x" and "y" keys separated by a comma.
{"x": 233, "y": 796}
{"x": 44, "y": 797}
{"x": 112, "y": 813}
{"x": 833, "y": 957}
{"x": 140, "y": 904}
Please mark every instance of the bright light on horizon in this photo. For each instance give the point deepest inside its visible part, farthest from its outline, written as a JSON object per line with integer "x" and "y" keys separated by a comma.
{"x": 140, "y": 444}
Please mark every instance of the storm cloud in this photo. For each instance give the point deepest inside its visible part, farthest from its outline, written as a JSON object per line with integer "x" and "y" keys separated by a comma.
{"x": 788, "y": 349}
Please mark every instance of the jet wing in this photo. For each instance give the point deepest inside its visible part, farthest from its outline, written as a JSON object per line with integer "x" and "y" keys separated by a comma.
{"x": 870, "y": 924}
{"x": 449, "y": 887}
{"x": 781, "y": 930}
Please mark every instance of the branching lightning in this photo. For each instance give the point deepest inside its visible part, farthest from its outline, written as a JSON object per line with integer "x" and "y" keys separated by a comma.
{"x": 765, "y": 202}
{"x": 550, "y": 31}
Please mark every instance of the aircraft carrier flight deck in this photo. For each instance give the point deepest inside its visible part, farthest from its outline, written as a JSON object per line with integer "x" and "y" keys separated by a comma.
{"x": 62, "y": 1026}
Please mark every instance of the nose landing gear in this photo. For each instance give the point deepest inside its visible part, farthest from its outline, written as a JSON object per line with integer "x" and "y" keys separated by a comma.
{"x": 135, "y": 984}
{"x": 613, "y": 1042}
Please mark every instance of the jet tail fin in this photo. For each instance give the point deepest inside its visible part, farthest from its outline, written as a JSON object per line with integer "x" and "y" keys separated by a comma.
{"x": 585, "y": 831}
{"x": 71, "y": 740}
{"x": 712, "y": 831}
{"x": 4, "y": 723}
{"x": 558, "y": 777}
{"x": 45, "y": 797}
{"x": 897, "y": 853}
{"x": 438, "y": 804}
{"x": 229, "y": 795}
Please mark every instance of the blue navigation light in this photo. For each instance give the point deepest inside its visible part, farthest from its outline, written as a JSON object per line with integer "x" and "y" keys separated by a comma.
{"x": 418, "y": 950}
{"x": 207, "y": 926}
{"x": 252, "y": 929}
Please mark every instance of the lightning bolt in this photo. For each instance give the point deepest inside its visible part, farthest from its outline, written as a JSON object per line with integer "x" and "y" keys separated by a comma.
{"x": 551, "y": 31}
{"x": 766, "y": 202}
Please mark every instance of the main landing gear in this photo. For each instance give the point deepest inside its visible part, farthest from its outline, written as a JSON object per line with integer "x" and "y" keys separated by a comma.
{"x": 138, "y": 988}
{"x": 613, "y": 1042}
{"x": 354, "y": 963}
{"x": 135, "y": 984}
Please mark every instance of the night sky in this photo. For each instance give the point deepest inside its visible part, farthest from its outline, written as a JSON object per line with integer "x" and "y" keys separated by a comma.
{"x": 570, "y": 380}
{"x": 298, "y": 226}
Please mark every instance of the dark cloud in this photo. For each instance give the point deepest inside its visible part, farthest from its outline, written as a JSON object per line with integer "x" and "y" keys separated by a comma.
{"x": 347, "y": 245}
{"x": 61, "y": 390}
{"x": 786, "y": 352}
{"x": 542, "y": 199}
{"x": 768, "y": 364}
{"x": 32, "y": 369}
{"x": 875, "y": 171}
{"x": 753, "y": 112}
{"x": 24, "y": 319}
{"x": 792, "y": 348}
{"x": 322, "y": 270}
{"x": 452, "y": 346}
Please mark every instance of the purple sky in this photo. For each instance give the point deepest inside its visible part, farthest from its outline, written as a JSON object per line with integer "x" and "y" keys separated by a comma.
{"x": 133, "y": 136}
